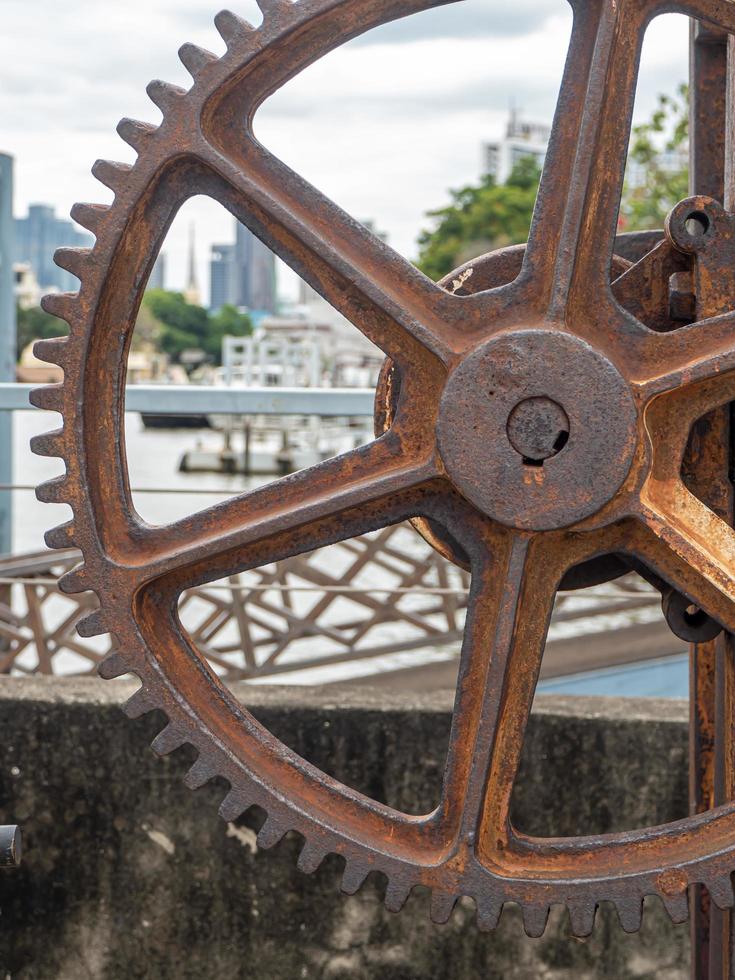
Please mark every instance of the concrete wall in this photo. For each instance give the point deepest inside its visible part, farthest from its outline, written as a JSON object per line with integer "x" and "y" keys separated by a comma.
{"x": 127, "y": 874}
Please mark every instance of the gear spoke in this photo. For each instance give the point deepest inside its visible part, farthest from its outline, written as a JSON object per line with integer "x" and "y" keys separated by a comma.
{"x": 381, "y": 293}
{"x": 510, "y": 607}
{"x": 385, "y": 296}
{"x": 698, "y": 352}
{"x": 573, "y": 231}
{"x": 343, "y": 497}
{"x": 691, "y": 548}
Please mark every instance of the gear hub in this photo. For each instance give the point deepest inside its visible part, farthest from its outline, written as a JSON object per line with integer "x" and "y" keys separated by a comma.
{"x": 525, "y": 458}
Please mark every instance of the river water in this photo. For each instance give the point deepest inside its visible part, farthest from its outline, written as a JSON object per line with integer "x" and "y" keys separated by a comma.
{"x": 153, "y": 458}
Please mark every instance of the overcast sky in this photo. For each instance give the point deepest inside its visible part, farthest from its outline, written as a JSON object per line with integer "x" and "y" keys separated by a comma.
{"x": 384, "y": 126}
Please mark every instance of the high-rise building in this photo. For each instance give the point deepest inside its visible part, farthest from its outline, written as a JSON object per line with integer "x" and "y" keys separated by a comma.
{"x": 255, "y": 271}
{"x": 37, "y": 237}
{"x": 243, "y": 274}
{"x": 222, "y": 277}
{"x": 522, "y": 140}
{"x": 192, "y": 293}
{"x": 157, "y": 278}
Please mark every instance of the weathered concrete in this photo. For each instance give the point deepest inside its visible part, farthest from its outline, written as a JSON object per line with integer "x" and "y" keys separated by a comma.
{"x": 129, "y": 875}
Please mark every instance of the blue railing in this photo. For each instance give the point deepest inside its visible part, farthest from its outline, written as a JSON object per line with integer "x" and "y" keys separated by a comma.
{"x": 190, "y": 400}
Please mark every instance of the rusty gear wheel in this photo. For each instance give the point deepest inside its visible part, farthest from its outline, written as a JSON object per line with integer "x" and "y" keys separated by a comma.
{"x": 540, "y": 423}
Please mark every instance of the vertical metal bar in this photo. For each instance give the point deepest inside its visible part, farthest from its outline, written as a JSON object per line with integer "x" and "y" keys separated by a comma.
{"x": 7, "y": 345}
{"x": 725, "y": 745}
{"x": 706, "y": 469}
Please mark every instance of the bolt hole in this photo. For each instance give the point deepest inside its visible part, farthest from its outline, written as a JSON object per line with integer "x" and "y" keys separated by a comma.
{"x": 559, "y": 443}
{"x": 695, "y": 617}
{"x": 561, "y": 440}
{"x": 696, "y": 224}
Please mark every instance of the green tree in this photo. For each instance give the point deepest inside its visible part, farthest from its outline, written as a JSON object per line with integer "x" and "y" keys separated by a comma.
{"x": 171, "y": 324}
{"x": 35, "y": 324}
{"x": 226, "y": 321}
{"x": 480, "y": 219}
{"x": 487, "y": 216}
{"x": 183, "y": 325}
{"x": 657, "y": 186}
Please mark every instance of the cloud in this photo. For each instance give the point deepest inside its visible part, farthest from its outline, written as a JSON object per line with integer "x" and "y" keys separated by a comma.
{"x": 385, "y": 125}
{"x": 467, "y": 19}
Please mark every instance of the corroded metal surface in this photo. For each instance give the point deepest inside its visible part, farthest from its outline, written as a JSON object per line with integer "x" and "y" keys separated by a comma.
{"x": 554, "y": 330}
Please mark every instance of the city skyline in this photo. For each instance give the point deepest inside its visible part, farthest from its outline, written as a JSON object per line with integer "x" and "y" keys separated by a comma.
{"x": 386, "y": 144}
{"x": 36, "y": 237}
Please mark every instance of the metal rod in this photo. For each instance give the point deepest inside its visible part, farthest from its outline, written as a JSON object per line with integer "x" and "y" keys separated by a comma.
{"x": 707, "y": 467}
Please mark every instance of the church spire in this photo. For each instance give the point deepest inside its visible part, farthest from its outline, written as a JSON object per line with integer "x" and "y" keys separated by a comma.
{"x": 191, "y": 292}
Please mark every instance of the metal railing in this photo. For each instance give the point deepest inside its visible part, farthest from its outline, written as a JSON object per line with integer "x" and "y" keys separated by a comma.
{"x": 268, "y": 623}
{"x": 206, "y": 399}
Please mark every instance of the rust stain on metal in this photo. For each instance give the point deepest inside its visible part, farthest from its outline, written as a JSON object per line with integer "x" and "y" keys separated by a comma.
{"x": 533, "y": 420}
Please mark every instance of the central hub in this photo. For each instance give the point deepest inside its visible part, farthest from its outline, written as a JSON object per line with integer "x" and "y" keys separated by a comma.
{"x": 537, "y": 429}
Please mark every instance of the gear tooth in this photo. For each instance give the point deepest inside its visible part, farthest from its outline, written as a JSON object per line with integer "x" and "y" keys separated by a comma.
{"x": 52, "y": 491}
{"x": 49, "y": 443}
{"x": 442, "y": 906}
{"x": 677, "y": 906}
{"x": 535, "y": 918}
{"x": 52, "y": 351}
{"x": 61, "y": 536}
{"x": 140, "y": 704}
{"x": 166, "y": 96}
{"x": 200, "y": 773}
{"x": 92, "y": 625}
{"x": 231, "y": 27}
{"x": 50, "y": 398}
{"x": 271, "y": 8}
{"x": 90, "y": 216}
{"x": 196, "y": 59}
{"x": 396, "y": 895}
{"x": 270, "y": 833}
{"x": 135, "y": 133}
{"x": 630, "y": 914}
{"x": 114, "y": 665}
{"x": 582, "y": 919}
{"x": 111, "y": 174}
{"x": 61, "y": 305}
{"x": 167, "y": 740}
{"x": 488, "y": 914}
{"x": 233, "y": 806}
{"x": 76, "y": 580}
{"x": 721, "y": 892}
{"x": 353, "y": 877}
{"x": 73, "y": 260}
{"x": 311, "y": 857}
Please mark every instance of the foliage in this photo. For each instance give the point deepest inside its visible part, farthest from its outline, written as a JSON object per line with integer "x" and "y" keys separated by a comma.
{"x": 170, "y": 323}
{"x": 657, "y": 186}
{"x": 35, "y": 324}
{"x": 226, "y": 321}
{"x": 165, "y": 322}
{"x": 488, "y": 216}
{"x": 480, "y": 219}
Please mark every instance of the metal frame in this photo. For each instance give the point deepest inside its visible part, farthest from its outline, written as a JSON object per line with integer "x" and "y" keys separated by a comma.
{"x": 520, "y": 467}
